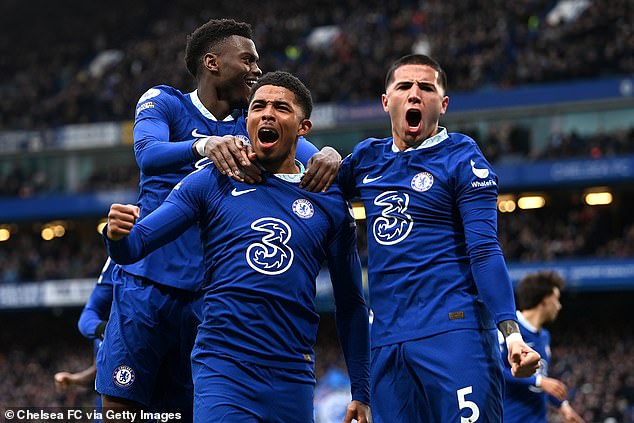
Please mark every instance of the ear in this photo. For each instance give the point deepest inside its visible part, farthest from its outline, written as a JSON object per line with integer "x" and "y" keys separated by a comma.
{"x": 304, "y": 127}
{"x": 444, "y": 104}
{"x": 211, "y": 62}
{"x": 384, "y": 102}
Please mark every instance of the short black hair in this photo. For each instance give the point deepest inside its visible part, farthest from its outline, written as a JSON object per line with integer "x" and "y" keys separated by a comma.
{"x": 292, "y": 83}
{"x": 207, "y": 36}
{"x": 534, "y": 287}
{"x": 417, "y": 59}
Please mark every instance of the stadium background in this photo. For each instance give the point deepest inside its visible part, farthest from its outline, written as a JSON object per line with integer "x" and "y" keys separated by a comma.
{"x": 546, "y": 88}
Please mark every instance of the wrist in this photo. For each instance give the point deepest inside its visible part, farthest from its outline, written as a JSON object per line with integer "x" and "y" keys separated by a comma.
{"x": 538, "y": 380}
{"x": 513, "y": 337}
{"x": 199, "y": 146}
{"x": 564, "y": 404}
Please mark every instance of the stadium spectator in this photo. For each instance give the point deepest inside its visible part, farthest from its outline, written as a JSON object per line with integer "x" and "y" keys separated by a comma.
{"x": 97, "y": 60}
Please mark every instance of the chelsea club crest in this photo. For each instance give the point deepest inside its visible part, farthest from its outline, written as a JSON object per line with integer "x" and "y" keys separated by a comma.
{"x": 123, "y": 376}
{"x": 303, "y": 208}
{"x": 422, "y": 181}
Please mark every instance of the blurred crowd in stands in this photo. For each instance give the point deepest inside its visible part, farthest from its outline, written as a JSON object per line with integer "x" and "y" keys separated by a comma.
{"x": 26, "y": 257}
{"x": 89, "y": 64}
{"x": 596, "y": 363}
{"x": 501, "y": 144}
{"x": 562, "y": 231}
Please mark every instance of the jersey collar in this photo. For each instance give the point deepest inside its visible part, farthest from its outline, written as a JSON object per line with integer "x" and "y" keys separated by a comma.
{"x": 292, "y": 177}
{"x": 203, "y": 110}
{"x": 524, "y": 322}
{"x": 429, "y": 142}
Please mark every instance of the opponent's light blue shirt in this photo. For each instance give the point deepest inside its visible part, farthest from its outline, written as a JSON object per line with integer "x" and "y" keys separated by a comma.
{"x": 434, "y": 261}
{"x": 263, "y": 248}
{"x": 167, "y": 123}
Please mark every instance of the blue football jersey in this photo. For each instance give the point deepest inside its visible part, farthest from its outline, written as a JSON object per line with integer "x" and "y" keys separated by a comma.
{"x": 167, "y": 123}
{"x": 523, "y": 401}
{"x": 434, "y": 259}
{"x": 263, "y": 248}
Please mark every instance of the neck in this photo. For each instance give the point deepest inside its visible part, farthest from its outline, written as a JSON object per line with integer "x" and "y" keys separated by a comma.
{"x": 209, "y": 97}
{"x": 287, "y": 166}
{"x": 533, "y": 317}
{"x": 404, "y": 144}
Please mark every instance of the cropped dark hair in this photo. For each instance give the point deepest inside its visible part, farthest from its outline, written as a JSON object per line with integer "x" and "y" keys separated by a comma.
{"x": 534, "y": 287}
{"x": 417, "y": 59}
{"x": 292, "y": 83}
{"x": 207, "y": 36}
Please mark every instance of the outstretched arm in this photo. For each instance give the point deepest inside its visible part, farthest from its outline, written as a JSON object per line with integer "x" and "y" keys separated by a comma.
{"x": 86, "y": 377}
{"x": 128, "y": 242}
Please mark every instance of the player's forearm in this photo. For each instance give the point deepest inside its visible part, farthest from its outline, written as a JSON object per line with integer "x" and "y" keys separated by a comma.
{"x": 352, "y": 321}
{"x": 96, "y": 311}
{"x": 509, "y": 379}
{"x": 155, "y": 154}
{"x": 495, "y": 288}
{"x": 160, "y": 227}
{"x": 353, "y": 330}
{"x": 156, "y": 158}
{"x": 88, "y": 322}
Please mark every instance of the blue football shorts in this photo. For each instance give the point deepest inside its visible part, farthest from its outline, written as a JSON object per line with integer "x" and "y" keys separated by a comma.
{"x": 231, "y": 390}
{"x": 454, "y": 376}
{"x": 145, "y": 354}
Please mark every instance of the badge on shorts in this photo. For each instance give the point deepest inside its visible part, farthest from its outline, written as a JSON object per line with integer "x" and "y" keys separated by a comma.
{"x": 123, "y": 376}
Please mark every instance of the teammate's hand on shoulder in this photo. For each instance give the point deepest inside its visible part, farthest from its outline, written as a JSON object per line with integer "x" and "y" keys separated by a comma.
{"x": 523, "y": 359}
{"x": 358, "y": 411}
{"x": 321, "y": 170}
{"x": 554, "y": 387}
{"x": 232, "y": 157}
{"x": 121, "y": 218}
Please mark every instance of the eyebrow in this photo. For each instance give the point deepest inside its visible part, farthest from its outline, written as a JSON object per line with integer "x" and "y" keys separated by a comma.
{"x": 274, "y": 102}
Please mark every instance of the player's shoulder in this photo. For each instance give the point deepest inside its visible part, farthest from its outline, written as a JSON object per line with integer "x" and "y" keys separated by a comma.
{"x": 373, "y": 143}
{"x": 462, "y": 143}
{"x": 371, "y": 148}
{"x": 206, "y": 177}
{"x": 161, "y": 93}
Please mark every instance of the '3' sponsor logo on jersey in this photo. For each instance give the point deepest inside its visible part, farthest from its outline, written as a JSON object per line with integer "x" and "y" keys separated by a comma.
{"x": 394, "y": 224}
{"x": 272, "y": 255}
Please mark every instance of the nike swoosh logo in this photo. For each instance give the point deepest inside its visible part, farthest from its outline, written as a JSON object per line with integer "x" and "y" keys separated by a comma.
{"x": 367, "y": 179}
{"x": 237, "y": 193}
{"x": 196, "y": 134}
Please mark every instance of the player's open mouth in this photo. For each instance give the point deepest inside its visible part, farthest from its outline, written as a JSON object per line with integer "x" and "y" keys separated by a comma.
{"x": 251, "y": 81}
{"x": 413, "y": 117}
{"x": 267, "y": 135}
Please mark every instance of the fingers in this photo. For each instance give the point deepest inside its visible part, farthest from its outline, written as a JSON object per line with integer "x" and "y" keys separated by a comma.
{"x": 231, "y": 157}
{"x": 523, "y": 359}
{"x": 320, "y": 174}
{"x": 121, "y": 219}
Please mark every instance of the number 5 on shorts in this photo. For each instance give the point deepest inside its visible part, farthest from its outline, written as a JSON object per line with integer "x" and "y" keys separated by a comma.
{"x": 464, "y": 403}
